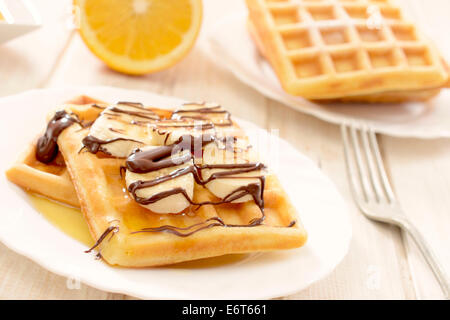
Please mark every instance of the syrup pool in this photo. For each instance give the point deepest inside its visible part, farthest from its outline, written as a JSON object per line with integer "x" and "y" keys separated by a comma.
{"x": 70, "y": 220}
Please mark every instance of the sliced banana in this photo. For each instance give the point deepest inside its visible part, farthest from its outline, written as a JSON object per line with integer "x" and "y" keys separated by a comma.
{"x": 239, "y": 170}
{"x": 170, "y": 189}
{"x": 120, "y": 129}
{"x": 212, "y": 112}
{"x": 167, "y": 132}
{"x": 227, "y": 165}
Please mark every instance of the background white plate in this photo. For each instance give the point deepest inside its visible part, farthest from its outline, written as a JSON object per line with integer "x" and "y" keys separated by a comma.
{"x": 20, "y": 17}
{"x": 230, "y": 45}
{"x": 24, "y": 230}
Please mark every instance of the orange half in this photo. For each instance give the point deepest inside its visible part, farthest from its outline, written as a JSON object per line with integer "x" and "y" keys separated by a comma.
{"x": 139, "y": 36}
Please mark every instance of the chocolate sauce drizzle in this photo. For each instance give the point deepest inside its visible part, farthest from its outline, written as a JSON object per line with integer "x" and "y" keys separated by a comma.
{"x": 143, "y": 112}
{"x": 95, "y": 105}
{"x": 216, "y": 222}
{"x": 132, "y": 104}
{"x": 113, "y": 229}
{"x": 94, "y": 145}
{"x": 203, "y": 126}
{"x": 151, "y": 160}
{"x": 47, "y": 147}
{"x": 158, "y": 158}
{"x": 202, "y": 114}
{"x": 254, "y": 189}
{"x": 147, "y": 114}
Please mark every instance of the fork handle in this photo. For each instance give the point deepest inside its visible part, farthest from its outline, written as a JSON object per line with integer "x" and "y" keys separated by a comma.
{"x": 430, "y": 257}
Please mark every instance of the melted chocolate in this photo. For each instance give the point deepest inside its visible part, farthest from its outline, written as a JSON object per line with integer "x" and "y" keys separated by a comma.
{"x": 203, "y": 126}
{"x": 160, "y": 157}
{"x": 177, "y": 114}
{"x": 256, "y": 190}
{"x": 151, "y": 160}
{"x": 162, "y": 128}
{"x": 116, "y": 130}
{"x": 208, "y": 223}
{"x": 94, "y": 145}
{"x": 94, "y": 105}
{"x": 132, "y": 104}
{"x": 141, "y": 114}
{"x": 216, "y": 222}
{"x": 113, "y": 229}
{"x": 154, "y": 159}
{"x": 47, "y": 147}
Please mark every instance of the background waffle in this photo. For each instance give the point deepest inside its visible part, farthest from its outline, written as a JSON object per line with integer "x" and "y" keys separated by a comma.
{"x": 363, "y": 50}
{"x": 106, "y": 205}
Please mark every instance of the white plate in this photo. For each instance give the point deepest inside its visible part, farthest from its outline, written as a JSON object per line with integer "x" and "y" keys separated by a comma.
{"x": 267, "y": 275}
{"x": 20, "y": 17}
{"x": 230, "y": 45}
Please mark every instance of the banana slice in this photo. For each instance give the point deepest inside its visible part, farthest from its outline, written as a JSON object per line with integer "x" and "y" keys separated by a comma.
{"x": 233, "y": 176}
{"x": 90, "y": 110}
{"x": 169, "y": 189}
{"x": 120, "y": 129}
{"x": 211, "y": 112}
{"x": 167, "y": 132}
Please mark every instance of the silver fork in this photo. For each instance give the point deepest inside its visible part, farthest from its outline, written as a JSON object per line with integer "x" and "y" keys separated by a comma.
{"x": 373, "y": 192}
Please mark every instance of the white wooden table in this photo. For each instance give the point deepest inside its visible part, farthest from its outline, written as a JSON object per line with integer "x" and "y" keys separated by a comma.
{"x": 382, "y": 263}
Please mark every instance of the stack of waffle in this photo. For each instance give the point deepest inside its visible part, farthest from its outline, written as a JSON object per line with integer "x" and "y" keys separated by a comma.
{"x": 347, "y": 50}
{"x": 137, "y": 227}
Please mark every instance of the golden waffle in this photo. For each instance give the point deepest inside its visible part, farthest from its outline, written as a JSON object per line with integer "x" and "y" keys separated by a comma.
{"x": 51, "y": 180}
{"x": 332, "y": 49}
{"x": 108, "y": 207}
{"x": 387, "y": 97}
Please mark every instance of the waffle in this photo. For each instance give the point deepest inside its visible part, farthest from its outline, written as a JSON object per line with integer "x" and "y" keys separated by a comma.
{"x": 119, "y": 223}
{"x": 51, "y": 180}
{"x": 331, "y": 49}
{"x": 384, "y": 97}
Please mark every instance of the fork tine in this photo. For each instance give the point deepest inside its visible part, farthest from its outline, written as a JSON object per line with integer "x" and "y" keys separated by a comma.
{"x": 359, "y": 163}
{"x": 353, "y": 175}
{"x": 370, "y": 163}
{"x": 381, "y": 170}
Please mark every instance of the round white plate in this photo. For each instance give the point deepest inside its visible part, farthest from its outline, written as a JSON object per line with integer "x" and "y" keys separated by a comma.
{"x": 24, "y": 230}
{"x": 230, "y": 45}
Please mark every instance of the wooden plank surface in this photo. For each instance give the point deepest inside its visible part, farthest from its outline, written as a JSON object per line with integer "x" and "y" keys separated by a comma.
{"x": 421, "y": 169}
{"x": 380, "y": 263}
{"x": 421, "y": 172}
{"x": 375, "y": 265}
